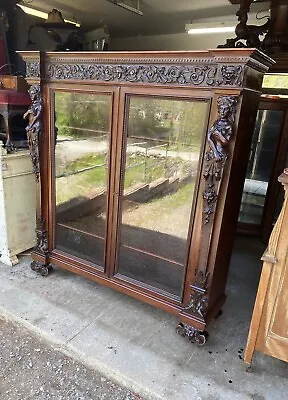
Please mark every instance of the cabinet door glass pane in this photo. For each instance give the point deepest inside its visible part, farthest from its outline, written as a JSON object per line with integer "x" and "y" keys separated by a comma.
{"x": 264, "y": 143}
{"x": 82, "y": 123}
{"x": 163, "y": 144}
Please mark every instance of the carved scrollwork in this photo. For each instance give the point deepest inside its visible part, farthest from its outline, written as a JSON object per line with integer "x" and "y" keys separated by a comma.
{"x": 198, "y": 302}
{"x": 216, "y": 156}
{"x": 34, "y": 127}
{"x": 210, "y": 73}
{"x": 164, "y": 74}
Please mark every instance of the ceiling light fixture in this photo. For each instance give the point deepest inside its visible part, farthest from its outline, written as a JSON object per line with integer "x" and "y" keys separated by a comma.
{"x": 202, "y": 27}
{"x": 43, "y": 15}
{"x": 134, "y": 7}
{"x": 207, "y": 30}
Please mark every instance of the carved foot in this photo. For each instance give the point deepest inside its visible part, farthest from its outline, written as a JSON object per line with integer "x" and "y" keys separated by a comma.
{"x": 193, "y": 334}
{"x": 43, "y": 270}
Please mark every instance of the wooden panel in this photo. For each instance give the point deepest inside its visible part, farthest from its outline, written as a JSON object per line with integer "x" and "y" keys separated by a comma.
{"x": 269, "y": 326}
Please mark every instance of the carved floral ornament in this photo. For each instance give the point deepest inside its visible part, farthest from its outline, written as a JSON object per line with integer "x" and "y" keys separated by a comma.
{"x": 33, "y": 69}
{"x": 195, "y": 75}
{"x": 198, "y": 302}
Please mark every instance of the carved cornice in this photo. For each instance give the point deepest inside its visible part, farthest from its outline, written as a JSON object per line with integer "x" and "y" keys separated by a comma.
{"x": 210, "y": 68}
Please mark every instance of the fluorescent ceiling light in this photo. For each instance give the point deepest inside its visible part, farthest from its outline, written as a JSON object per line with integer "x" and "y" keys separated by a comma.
{"x": 43, "y": 15}
{"x": 218, "y": 29}
{"x": 124, "y": 5}
{"x": 128, "y": 7}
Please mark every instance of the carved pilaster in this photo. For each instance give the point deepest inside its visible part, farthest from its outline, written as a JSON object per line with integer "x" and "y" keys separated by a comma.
{"x": 216, "y": 156}
{"x": 34, "y": 127}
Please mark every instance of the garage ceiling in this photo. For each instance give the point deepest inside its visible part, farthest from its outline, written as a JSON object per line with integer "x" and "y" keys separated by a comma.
{"x": 160, "y": 16}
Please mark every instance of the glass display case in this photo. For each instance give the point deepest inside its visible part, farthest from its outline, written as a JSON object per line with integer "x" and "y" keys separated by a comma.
{"x": 140, "y": 161}
{"x": 269, "y": 149}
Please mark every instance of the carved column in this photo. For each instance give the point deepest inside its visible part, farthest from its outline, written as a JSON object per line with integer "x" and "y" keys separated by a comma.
{"x": 34, "y": 131}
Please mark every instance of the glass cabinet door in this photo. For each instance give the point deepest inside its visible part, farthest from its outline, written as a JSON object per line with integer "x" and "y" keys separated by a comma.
{"x": 82, "y": 132}
{"x": 160, "y": 160}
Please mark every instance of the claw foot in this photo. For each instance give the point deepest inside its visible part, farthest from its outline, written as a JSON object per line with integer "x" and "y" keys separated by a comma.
{"x": 43, "y": 270}
{"x": 193, "y": 334}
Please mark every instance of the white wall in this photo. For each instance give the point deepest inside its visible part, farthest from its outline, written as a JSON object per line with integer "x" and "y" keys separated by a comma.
{"x": 179, "y": 41}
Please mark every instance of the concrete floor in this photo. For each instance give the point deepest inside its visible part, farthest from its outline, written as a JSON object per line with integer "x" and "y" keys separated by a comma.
{"x": 136, "y": 344}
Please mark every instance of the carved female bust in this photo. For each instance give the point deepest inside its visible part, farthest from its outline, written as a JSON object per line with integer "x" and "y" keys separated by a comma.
{"x": 221, "y": 131}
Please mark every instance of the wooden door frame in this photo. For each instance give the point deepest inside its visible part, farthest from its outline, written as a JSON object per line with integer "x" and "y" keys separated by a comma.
{"x": 50, "y": 165}
{"x": 164, "y": 93}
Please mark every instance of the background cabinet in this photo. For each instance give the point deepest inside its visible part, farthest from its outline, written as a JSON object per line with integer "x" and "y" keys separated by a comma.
{"x": 262, "y": 196}
{"x": 17, "y": 205}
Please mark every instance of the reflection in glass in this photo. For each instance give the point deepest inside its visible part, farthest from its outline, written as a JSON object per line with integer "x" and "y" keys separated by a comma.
{"x": 264, "y": 143}
{"x": 162, "y": 153}
{"x": 81, "y": 161}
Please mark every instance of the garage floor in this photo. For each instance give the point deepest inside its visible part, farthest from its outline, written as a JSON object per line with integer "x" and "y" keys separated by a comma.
{"x": 136, "y": 344}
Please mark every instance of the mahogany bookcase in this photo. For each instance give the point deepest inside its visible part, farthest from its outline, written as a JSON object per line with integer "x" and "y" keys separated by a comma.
{"x": 140, "y": 160}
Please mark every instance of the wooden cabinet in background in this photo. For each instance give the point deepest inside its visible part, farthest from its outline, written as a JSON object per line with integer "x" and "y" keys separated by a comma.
{"x": 269, "y": 326}
{"x": 262, "y": 195}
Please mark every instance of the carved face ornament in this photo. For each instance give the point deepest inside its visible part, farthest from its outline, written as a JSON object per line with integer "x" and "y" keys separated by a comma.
{"x": 226, "y": 106}
{"x": 33, "y": 92}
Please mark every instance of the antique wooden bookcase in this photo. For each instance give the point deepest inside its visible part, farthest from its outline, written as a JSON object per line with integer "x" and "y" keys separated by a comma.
{"x": 140, "y": 161}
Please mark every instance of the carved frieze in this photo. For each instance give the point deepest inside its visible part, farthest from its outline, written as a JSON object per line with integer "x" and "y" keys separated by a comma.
{"x": 194, "y": 75}
{"x": 216, "y": 156}
{"x": 34, "y": 127}
{"x": 195, "y": 72}
{"x": 164, "y": 74}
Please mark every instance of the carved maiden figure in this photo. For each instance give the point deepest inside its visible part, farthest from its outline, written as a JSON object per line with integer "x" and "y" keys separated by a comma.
{"x": 221, "y": 131}
{"x": 33, "y": 129}
{"x": 34, "y": 111}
